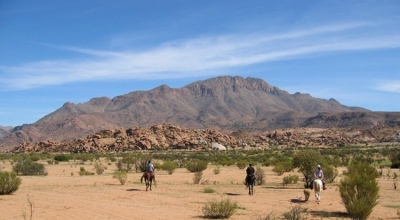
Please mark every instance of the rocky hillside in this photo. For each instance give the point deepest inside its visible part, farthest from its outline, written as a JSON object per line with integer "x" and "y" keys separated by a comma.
{"x": 172, "y": 137}
{"x": 4, "y": 131}
{"x": 224, "y": 104}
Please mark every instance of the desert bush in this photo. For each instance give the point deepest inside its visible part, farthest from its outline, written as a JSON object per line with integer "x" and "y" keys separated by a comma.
{"x": 26, "y": 166}
{"x": 260, "y": 176}
{"x": 330, "y": 173}
{"x": 222, "y": 209}
{"x": 290, "y": 180}
{"x": 217, "y": 170}
{"x": 98, "y": 167}
{"x": 83, "y": 172}
{"x": 9, "y": 182}
{"x": 208, "y": 190}
{"x": 34, "y": 157}
{"x": 120, "y": 165}
{"x": 122, "y": 176}
{"x": 61, "y": 157}
{"x": 50, "y": 161}
{"x": 359, "y": 190}
{"x": 169, "y": 166}
{"x": 197, "y": 177}
{"x": 241, "y": 164}
{"x": 294, "y": 213}
{"x": 196, "y": 165}
{"x": 270, "y": 216}
{"x": 279, "y": 169}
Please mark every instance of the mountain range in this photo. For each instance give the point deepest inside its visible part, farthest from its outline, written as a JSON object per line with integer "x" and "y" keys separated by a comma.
{"x": 225, "y": 104}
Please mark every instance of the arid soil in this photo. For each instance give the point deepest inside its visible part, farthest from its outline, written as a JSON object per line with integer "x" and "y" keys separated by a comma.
{"x": 60, "y": 195}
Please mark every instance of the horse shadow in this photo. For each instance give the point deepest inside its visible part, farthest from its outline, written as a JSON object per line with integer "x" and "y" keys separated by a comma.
{"x": 130, "y": 190}
{"x": 298, "y": 201}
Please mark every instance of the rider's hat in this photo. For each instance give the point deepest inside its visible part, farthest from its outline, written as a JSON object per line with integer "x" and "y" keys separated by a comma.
{"x": 319, "y": 166}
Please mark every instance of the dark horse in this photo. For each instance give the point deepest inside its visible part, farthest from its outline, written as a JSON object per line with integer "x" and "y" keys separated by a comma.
{"x": 250, "y": 182}
{"x": 148, "y": 177}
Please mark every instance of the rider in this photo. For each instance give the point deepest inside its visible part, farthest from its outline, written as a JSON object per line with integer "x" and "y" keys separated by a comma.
{"x": 250, "y": 171}
{"x": 319, "y": 174}
{"x": 149, "y": 168}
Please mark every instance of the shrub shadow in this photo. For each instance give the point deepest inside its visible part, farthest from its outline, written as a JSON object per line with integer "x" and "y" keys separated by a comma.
{"x": 327, "y": 214}
{"x": 232, "y": 194}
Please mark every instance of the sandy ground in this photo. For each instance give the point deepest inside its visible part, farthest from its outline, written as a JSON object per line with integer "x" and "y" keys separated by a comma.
{"x": 61, "y": 195}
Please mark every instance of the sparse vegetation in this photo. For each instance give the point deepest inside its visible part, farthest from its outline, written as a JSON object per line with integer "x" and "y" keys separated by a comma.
{"x": 219, "y": 209}
{"x": 294, "y": 213}
{"x": 196, "y": 165}
{"x": 241, "y": 164}
{"x": 122, "y": 176}
{"x": 25, "y": 166}
{"x": 99, "y": 167}
{"x": 83, "y": 172}
{"x": 61, "y": 157}
{"x": 197, "y": 177}
{"x": 169, "y": 166}
{"x": 9, "y": 182}
{"x": 359, "y": 190}
{"x": 260, "y": 176}
{"x": 208, "y": 190}
{"x": 217, "y": 170}
{"x": 290, "y": 180}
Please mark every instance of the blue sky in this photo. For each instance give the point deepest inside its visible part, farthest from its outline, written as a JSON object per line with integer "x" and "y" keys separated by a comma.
{"x": 52, "y": 52}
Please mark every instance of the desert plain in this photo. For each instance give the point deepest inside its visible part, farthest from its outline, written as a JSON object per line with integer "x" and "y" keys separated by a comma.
{"x": 64, "y": 194}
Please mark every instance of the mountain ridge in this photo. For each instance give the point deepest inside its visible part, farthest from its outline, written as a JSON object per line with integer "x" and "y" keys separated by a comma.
{"x": 224, "y": 103}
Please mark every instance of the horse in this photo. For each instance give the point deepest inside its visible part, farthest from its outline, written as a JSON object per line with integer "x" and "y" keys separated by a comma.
{"x": 317, "y": 185}
{"x": 148, "y": 177}
{"x": 250, "y": 182}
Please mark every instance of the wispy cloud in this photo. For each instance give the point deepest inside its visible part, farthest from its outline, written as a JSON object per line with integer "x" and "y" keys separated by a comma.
{"x": 178, "y": 59}
{"x": 389, "y": 86}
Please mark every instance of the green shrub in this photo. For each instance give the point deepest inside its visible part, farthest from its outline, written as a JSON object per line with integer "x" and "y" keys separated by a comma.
{"x": 217, "y": 170}
{"x": 197, "y": 177}
{"x": 169, "y": 166}
{"x": 34, "y": 157}
{"x": 241, "y": 164}
{"x": 50, "y": 161}
{"x": 208, "y": 190}
{"x": 330, "y": 173}
{"x": 83, "y": 172}
{"x": 9, "y": 182}
{"x": 359, "y": 190}
{"x": 279, "y": 169}
{"x": 122, "y": 176}
{"x": 26, "y": 166}
{"x": 222, "y": 209}
{"x": 196, "y": 165}
{"x": 61, "y": 157}
{"x": 290, "y": 180}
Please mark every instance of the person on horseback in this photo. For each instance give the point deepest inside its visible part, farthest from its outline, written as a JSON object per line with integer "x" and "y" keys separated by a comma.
{"x": 319, "y": 174}
{"x": 250, "y": 171}
{"x": 149, "y": 168}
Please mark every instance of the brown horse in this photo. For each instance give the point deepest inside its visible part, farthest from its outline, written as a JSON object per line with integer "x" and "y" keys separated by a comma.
{"x": 148, "y": 177}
